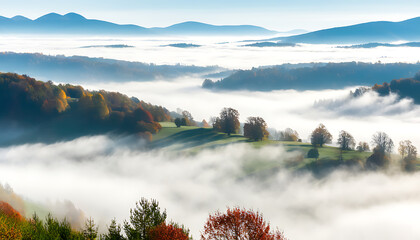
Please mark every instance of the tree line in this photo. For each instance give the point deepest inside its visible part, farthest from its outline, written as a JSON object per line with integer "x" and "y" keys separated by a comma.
{"x": 255, "y": 129}
{"x": 146, "y": 222}
{"x": 73, "y": 109}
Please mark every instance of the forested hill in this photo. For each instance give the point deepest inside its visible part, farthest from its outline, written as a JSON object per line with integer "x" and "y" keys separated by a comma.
{"x": 405, "y": 88}
{"x": 63, "y": 111}
{"x": 314, "y": 76}
{"x": 78, "y": 68}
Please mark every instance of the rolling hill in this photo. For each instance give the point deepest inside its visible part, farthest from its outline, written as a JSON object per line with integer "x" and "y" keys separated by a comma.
{"x": 381, "y": 31}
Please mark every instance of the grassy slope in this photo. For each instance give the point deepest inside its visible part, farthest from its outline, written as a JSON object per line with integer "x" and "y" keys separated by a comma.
{"x": 195, "y": 138}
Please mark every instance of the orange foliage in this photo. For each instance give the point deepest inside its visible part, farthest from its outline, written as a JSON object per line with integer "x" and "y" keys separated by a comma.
{"x": 165, "y": 232}
{"x": 9, "y": 230}
{"x": 239, "y": 223}
{"x": 9, "y": 220}
{"x": 9, "y": 211}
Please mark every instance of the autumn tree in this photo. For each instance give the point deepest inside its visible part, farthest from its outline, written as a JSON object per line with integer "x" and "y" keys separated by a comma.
{"x": 228, "y": 122}
{"x": 363, "y": 147}
{"x": 320, "y": 136}
{"x": 346, "y": 141}
{"x": 237, "y": 224}
{"x": 256, "y": 128}
{"x": 188, "y": 119}
{"x": 288, "y": 135}
{"x": 382, "y": 142}
{"x": 408, "y": 154}
{"x": 90, "y": 230}
{"x": 167, "y": 231}
{"x": 204, "y": 124}
{"x": 407, "y": 149}
{"x": 145, "y": 216}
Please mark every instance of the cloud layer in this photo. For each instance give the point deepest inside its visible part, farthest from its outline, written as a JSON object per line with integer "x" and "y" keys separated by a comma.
{"x": 105, "y": 176}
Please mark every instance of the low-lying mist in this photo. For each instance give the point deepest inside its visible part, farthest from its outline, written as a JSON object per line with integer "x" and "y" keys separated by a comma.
{"x": 104, "y": 176}
{"x": 299, "y": 110}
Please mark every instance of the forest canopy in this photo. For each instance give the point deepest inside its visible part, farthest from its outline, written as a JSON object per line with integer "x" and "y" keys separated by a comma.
{"x": 313, "y": 76}
{"x": 69, "y": 109}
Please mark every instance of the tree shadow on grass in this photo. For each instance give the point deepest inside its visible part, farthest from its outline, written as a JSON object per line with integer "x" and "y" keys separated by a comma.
{"x": 196, "y": 137}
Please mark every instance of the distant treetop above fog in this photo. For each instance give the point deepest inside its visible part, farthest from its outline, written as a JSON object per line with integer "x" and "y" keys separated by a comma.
{"x": 314, "y": 76}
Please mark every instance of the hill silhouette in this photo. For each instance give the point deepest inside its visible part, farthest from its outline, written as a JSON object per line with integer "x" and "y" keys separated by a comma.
{"x": 381, "y": 31}
{"x": 73, "y": 23}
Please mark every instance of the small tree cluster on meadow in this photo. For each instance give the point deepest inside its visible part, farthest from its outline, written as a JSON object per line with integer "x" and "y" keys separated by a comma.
{"x": 228, "y": 121}
{"x": 186, "y": 120}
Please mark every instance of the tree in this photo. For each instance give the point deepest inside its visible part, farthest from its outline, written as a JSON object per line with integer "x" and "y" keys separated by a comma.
{"x": 313, "y": 153}
{"x": 320, "y": 136}
{"x": 288, "y": 135}
{"x": 228, "y": 122}
{"x": 166, "y": 232}
{"x": 408, "y": 154}
{"x": 188, "y": 120}
{"x": 378, "y": 160}
{"x": 143, "y": 217}
{"x": 256, "y": 128}
{"x": 237, "y": 224}
{"x": 406, "y": 149}
{"x": 363, "y": 147}
{"x": 91, "y": 230}
{"x": 114, "y": 232}
{"x": 346, "y": 141}
{"x": 382, "y": 142}
{"x": 178, "y": 122}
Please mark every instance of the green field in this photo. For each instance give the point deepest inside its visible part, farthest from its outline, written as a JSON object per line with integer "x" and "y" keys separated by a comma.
{"x": 194, "y": 138}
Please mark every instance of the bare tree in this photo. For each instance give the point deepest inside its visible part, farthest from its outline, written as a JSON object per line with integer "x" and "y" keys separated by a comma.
{"x": 383, "y": 142}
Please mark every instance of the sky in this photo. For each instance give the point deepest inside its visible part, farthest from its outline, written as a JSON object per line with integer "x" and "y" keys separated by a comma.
{"x": 277, "y": 15}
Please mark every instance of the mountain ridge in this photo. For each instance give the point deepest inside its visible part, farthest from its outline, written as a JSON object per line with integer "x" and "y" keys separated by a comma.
{"x": 376, "y": 31}
{"x": 74, "y": 23}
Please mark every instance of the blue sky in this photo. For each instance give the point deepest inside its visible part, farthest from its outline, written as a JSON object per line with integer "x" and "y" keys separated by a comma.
{"x": 273, "y": 14}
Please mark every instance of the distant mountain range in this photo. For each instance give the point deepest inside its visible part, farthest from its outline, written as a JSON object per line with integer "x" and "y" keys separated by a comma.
{"x": 73, "y": 23}
{"x": 382, "y": 31}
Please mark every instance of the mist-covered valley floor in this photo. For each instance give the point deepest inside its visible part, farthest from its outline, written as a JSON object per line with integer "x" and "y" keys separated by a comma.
{"x": 103, "y": 176}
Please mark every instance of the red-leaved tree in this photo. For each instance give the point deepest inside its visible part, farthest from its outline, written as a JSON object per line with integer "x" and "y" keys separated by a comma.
{"x": 165, "y": 232}
{"x": 239, "y": 224}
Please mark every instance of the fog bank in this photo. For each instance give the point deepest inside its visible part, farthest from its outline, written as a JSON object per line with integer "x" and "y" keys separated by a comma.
{"x": 105, "y": 177}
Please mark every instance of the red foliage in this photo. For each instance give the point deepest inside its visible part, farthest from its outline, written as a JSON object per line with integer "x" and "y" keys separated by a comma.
{"x": 165, "y": 232}
{"x": 239, "y": 223}
{"x": 9, "y": 211}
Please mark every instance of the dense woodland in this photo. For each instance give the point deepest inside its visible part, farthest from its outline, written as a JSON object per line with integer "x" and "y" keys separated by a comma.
{"x": 313, "y": 76}
{"x": 69, "y": 109}
{"x": 78, "y": 68}
{"x": 405, "y": 88}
